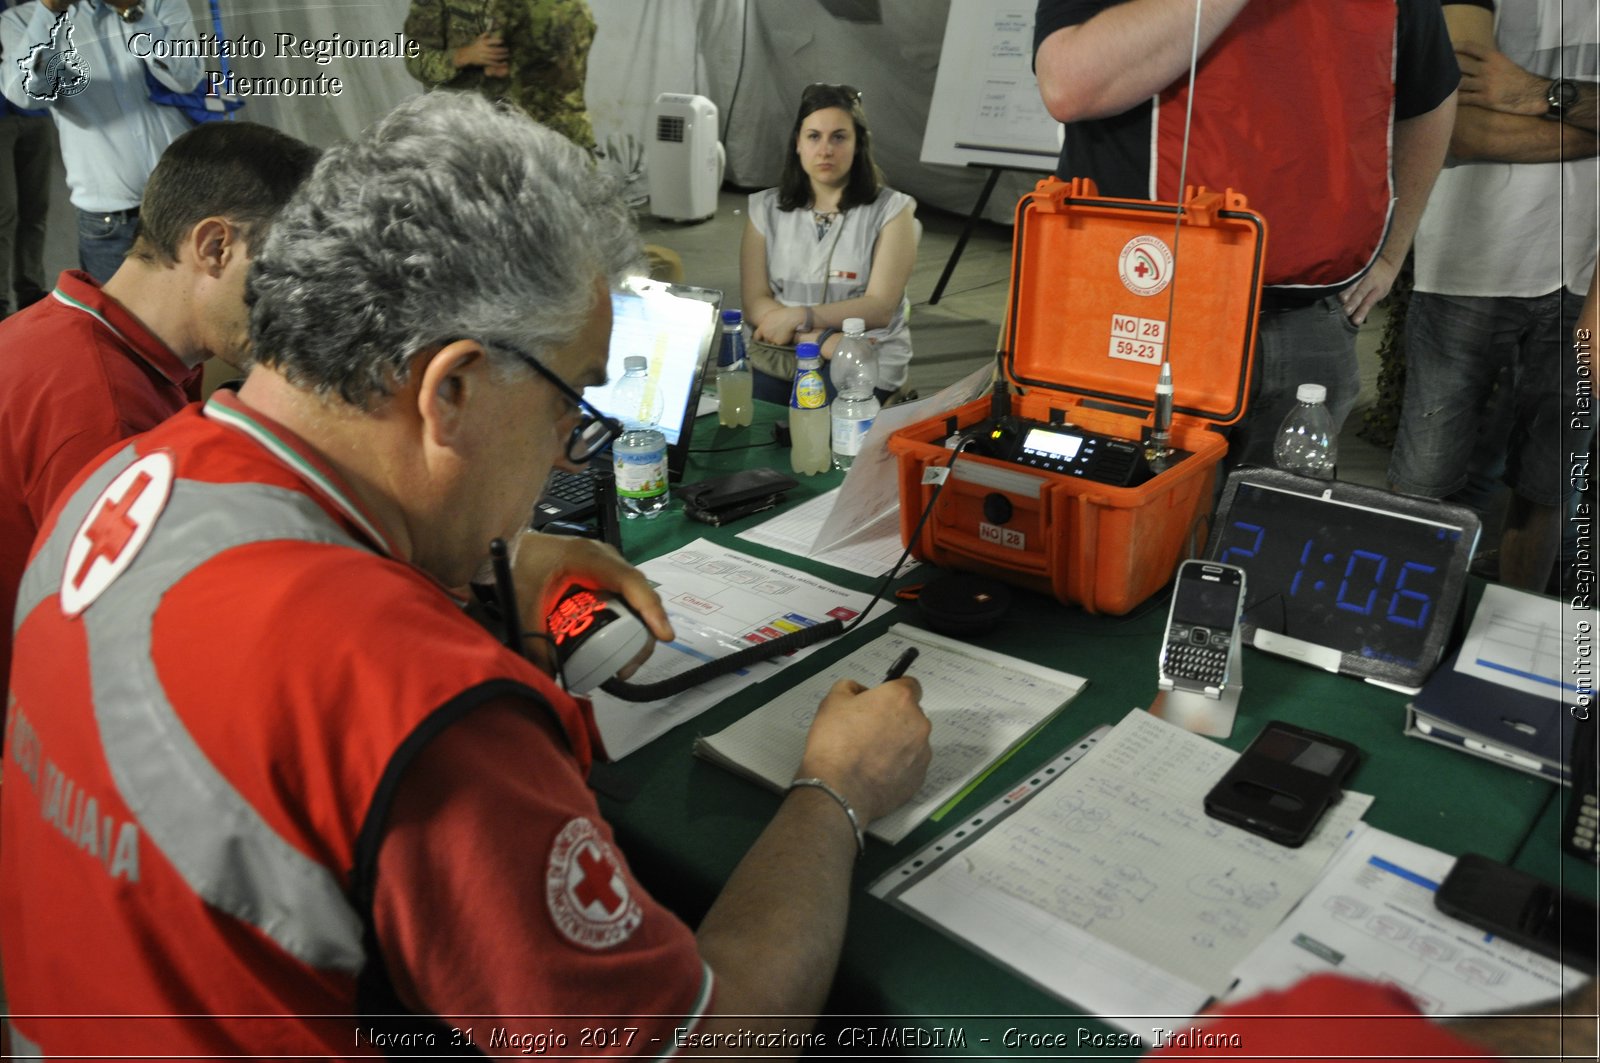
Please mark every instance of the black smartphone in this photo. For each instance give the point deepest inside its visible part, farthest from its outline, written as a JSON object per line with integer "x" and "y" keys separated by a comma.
{"x": 1202, "y": 627}
{"x": 1282, "y": 784}
{"x": 1524, "y": 910}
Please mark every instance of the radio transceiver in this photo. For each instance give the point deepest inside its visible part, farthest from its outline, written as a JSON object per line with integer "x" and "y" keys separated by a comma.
{"x": 1066, "y": 449}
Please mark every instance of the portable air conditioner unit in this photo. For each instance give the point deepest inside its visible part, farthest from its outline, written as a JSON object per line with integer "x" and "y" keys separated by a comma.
{"x": 684, "y": 159}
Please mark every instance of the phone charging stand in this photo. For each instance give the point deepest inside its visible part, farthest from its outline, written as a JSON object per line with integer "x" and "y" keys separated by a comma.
{"x": 1199, "y": 712}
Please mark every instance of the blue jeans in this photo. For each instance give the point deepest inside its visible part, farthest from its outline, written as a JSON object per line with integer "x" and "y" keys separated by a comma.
{"x": 103, "y": 241}
{"x": 1456, "y": 347}
{"x": 1313, "y": 344}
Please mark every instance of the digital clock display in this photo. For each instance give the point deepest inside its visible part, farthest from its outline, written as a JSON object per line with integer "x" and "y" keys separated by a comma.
{"x": 1377, "y": 585}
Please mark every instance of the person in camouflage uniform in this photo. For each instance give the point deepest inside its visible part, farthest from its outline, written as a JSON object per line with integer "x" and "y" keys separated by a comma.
{"x": 532, "y": 53}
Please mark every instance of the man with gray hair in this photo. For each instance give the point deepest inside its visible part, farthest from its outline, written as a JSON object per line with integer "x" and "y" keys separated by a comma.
{"x": 359, "y": 802}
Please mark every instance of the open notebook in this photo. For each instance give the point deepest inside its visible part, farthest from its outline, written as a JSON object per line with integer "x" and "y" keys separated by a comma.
{"x": 982, "y": 704}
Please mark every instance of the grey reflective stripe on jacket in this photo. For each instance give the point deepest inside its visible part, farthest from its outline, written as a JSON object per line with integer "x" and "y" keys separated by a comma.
{"x": 22, "y": 1048}
{"x": 220, "y": 845}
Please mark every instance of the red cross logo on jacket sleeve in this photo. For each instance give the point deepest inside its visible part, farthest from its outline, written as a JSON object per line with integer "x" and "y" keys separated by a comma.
{"x": 587, "y": 890}
{"x": 117, "y": 526}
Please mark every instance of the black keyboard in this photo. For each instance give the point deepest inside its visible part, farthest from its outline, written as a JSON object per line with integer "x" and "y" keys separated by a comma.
{"x": 567, "y": 496}
{"x": 1197, "y": 654}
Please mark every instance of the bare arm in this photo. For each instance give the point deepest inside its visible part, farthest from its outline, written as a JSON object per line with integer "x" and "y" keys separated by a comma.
{"x": 1583, "y": 332}
{"x": 1124, "y": 54}
{"x": 774, "y": 934}
{"x": 893, "y": 257}
{"x": 1493, "y": 136}
{"x": 1584, "y": 114}
{"x": 1502, "y": 106}
{"x": 755, "y": 286}
{"x": 1419, "y": 149}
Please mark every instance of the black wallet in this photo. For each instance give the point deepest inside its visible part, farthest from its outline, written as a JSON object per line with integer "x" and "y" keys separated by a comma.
{"x": 726, "y": 498}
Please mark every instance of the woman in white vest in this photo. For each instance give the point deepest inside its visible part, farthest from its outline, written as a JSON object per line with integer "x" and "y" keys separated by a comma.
{"x": 830, "y": 242}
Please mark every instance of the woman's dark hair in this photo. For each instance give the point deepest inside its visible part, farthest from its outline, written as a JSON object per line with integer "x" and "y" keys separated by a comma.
{"x": 794, "y": 188}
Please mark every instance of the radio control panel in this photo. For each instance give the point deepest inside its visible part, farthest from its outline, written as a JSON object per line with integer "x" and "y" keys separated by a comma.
{"x": 1065, "y": 449}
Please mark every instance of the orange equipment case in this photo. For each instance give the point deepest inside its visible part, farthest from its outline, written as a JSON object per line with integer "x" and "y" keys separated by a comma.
{"x": 1081, "y": 346}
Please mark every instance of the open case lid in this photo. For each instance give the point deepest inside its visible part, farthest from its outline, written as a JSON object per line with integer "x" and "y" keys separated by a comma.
{"x": 1091, "y": 283}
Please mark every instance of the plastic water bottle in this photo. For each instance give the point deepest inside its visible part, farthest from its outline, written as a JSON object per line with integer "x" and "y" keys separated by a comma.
{"x": 735, "y": 385}
{"x": 855, "y": 375}
{"x": 1306, "y": 443}
{"x": 639, "y": 456}
{"x": 808, "y": 414}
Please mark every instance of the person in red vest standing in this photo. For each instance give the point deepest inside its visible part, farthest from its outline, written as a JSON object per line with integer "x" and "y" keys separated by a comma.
{"x": 1332, "y": 119}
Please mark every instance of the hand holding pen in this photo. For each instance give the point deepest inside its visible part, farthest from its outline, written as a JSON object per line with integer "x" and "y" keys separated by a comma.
{"x": 901, "y": 663}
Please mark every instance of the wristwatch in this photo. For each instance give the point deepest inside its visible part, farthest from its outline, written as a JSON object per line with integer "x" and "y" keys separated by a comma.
{"x": 1563, "y": 94}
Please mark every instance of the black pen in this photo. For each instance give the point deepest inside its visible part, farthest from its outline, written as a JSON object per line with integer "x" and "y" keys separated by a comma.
{"x": 898, "y": 668}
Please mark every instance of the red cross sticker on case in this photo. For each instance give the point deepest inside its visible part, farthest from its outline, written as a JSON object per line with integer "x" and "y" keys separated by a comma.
{"x": 588, "y": 895}
{"x": 116, "y": 528}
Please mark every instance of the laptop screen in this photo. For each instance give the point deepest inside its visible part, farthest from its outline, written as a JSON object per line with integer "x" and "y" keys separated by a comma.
{"x": 676, "y": 327}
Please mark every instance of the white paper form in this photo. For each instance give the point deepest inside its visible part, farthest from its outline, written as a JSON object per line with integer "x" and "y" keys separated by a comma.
{"x": 719, "y": 601}
{"x": 981, "y": 703}
{"x": 870, "y": 551}
{"x": 1372, "y": 916}
{"x": 858, "y": 528}
{"x": 1009, "y": 105}
{"x": 1120, "y": 849}
{"x": 1515, "y": 641}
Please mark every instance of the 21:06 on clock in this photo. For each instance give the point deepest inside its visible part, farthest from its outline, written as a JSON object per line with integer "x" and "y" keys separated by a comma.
{"x": 1345, "y": 577}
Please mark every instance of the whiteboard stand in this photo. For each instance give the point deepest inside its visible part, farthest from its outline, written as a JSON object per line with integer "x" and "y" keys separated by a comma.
{"x": 972, "y": 221}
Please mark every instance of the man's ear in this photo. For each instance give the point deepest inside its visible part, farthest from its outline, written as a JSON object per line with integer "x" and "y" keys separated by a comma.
{"x": 215, "y": 242}
{"x": 447, "y": 381}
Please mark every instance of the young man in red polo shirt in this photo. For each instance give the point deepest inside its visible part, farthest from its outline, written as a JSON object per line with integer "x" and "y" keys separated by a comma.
{"x": 87, "y": 366}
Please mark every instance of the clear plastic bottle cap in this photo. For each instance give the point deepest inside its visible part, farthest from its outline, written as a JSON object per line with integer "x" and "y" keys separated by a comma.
{"x": 1311, "y": 393}
{"x": 855, "y": 324}
{"x": 635, "y": 361}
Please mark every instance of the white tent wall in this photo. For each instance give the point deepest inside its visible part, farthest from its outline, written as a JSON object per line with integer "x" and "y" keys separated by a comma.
{"x": 751, "y": 58}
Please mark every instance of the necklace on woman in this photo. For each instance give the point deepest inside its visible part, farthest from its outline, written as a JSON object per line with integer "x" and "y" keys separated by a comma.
{"x": 823, "y": 220}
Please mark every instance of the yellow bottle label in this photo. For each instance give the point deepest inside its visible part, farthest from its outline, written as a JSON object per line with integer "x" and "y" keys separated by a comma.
{"x": 809, "y": 391}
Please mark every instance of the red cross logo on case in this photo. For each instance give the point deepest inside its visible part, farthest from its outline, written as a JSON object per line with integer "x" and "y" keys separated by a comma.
{"x": 114, "y": 530}
{"x": 588, "y": 895}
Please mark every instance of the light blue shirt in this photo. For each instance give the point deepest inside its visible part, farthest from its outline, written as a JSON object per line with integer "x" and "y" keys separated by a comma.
{"x": 111, "y": 133}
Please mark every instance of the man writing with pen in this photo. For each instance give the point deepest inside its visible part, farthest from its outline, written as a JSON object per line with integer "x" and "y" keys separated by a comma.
{"x": 360, "y": 803}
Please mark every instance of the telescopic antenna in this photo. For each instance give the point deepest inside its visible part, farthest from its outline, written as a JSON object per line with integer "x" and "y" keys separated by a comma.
{"x": 1160, "y": 448}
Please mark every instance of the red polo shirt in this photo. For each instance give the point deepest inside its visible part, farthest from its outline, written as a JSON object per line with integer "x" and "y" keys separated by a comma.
{"x": 78, "y": 373}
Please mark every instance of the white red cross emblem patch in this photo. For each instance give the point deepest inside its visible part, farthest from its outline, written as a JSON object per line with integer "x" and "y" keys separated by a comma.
{"x": 116, "y": 527}
{"x": 588, "y": 895}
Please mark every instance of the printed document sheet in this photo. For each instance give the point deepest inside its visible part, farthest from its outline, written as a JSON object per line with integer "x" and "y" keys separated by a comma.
{"x": 1372, "y": 916}
{"x": 981, "y": 704}
{"x": 1515, "y": 641}
{"x": 857, "y": 525}
{"x": 1111, "y": 886}
{"x": 719, "y": 601}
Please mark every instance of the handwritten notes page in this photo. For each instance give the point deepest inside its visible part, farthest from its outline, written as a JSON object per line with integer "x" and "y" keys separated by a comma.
{"x": 981, "y": 704}
{"x": 1119, "y": 852}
